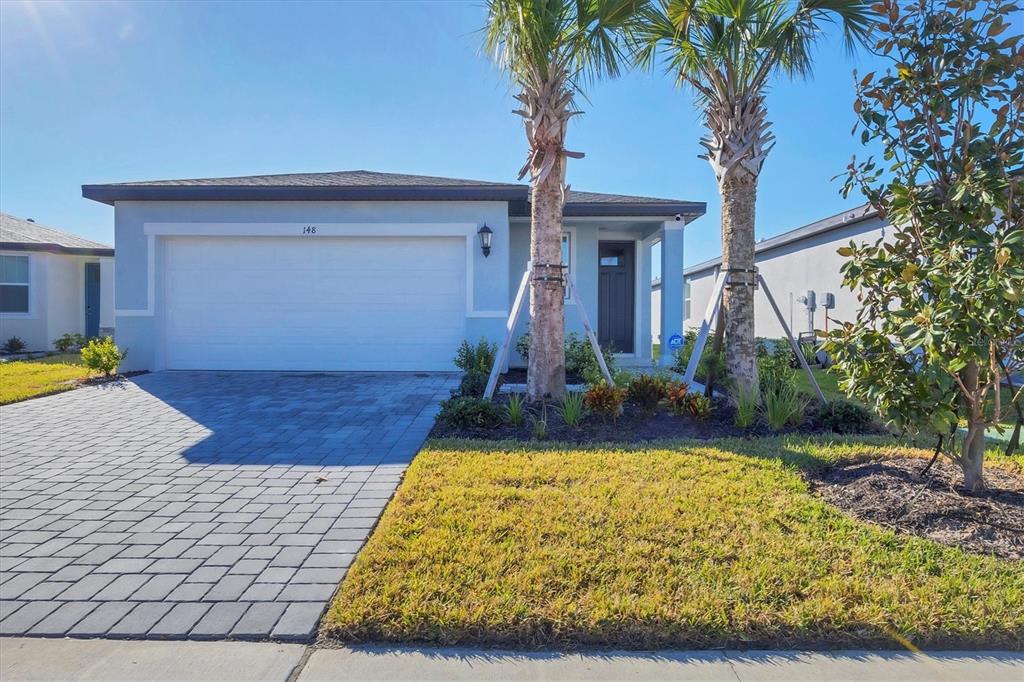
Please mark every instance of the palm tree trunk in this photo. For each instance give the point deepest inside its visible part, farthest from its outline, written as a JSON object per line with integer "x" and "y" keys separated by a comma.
{"x": 545, "y": 377}
{"x": 739, "y": 196}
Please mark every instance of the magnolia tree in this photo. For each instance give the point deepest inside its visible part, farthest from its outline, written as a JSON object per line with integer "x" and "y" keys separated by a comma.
{"x": 940, "y": 325}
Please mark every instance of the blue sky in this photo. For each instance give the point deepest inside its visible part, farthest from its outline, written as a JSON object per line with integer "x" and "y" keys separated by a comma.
{"x": 117, "y": 91}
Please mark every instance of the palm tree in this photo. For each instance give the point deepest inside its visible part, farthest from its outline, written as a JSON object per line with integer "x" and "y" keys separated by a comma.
{"x": 728, "y": 51}
{"x": 550, "y": 49}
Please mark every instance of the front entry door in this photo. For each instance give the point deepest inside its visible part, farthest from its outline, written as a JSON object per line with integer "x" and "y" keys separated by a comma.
{"x": 615, "y": 295}
{"x": 92, "y": 300}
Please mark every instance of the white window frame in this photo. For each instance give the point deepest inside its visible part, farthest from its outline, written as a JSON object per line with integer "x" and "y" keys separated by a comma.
{"x": 687, "y": 300}
{"x": 28, "y": 285}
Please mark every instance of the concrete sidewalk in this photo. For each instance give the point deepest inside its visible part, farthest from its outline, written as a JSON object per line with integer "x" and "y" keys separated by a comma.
{"x": 113, "y": 660}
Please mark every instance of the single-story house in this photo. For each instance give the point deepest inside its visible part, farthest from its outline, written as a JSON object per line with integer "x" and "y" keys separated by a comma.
{"x": 801, "y": 267}
{"x": 360, "y": 270}
{"x": 52, "y": 283}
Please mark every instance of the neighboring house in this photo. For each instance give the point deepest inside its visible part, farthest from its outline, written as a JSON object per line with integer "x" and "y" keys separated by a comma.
{"x": 360, "y": 270}
{"x": 52, "y": 283}
{"x": 801, "y": 268}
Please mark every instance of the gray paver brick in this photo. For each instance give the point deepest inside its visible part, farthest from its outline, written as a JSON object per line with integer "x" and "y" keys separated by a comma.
{"x": 138, "y": 622}
{"x": 104, "y": 617}
{"x": 179, "y": 620}
{"x": 229, "y": 588}
{"x": 173, "y": 482}
{"x": 298, "y": 622}
{"x": 259, "y": 620}
{"x": 22, "y": 620}
{"x": 219, "y": 620}
{"x": 64, "y": 618}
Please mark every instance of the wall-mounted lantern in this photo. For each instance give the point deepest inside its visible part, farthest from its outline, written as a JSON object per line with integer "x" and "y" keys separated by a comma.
{"x": 485, "y": 239}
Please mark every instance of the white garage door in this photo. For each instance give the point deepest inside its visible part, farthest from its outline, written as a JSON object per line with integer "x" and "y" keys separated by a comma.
{"x": 324, "y": 303}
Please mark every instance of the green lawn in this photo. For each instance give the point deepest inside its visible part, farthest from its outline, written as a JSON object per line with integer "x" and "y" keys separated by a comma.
{"x": 685, "y": 545}
{"x": 32, "y": 378}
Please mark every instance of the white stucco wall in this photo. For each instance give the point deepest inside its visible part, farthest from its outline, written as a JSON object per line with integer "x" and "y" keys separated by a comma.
{"x": 138, "y": 274}
{"x": 792, "y": 270}
{"x": 56, "y": 299}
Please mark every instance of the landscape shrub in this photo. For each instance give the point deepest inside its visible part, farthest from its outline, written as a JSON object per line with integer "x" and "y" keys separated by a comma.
{"x": 605, "y": 400}
{"x": 572, "y": 408}
{"x": 782, "y": 405}
{"x": 102, "y": 355}
{"x": 676, "y": 396}
{"x": 472, "y": 385}
{"x": 13, "y": 345}
{"x": 515, "y": 409}
{"x": 745, "y": 401}
{"x": 647, "y": 392}
{"x": 709, "y": 361}
{"x": 476, "y": 358}
{"x": 540, "y": 423}
{"x": 842, "y": 416}
{"x": 465, "y": 411}
{"x": 68, "y": 342}
{"x": 579, "y": 357}
{"x": 698, "y": 406}
{"x": 775, "y": 369}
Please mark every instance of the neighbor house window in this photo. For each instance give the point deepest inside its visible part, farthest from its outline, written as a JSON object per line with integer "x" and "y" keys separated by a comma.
{"x": 686, "y": 301}
{"x": 13, "y": 284}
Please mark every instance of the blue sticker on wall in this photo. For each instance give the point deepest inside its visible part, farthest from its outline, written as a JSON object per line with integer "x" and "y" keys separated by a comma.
{"x": 675, "y": 341}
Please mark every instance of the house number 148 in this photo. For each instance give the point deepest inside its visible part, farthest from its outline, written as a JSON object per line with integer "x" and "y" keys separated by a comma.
{"x": 309, "y": 229}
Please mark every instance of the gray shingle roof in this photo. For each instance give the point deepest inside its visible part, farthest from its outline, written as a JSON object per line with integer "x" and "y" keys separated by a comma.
{"x": 16, "y": 233}
{"x": 355, "y": 178}
{"x": 834, "y": 222}
{"x": 362, "y": 185}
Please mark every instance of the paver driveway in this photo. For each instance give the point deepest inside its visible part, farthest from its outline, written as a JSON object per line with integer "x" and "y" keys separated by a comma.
{"x": 198, "y": 504}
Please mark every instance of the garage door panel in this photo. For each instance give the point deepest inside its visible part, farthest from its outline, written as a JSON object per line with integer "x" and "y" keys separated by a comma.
{"x": 314, "y": 304}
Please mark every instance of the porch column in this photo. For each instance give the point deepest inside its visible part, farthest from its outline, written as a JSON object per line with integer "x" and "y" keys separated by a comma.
{"x": 671, "y": 286}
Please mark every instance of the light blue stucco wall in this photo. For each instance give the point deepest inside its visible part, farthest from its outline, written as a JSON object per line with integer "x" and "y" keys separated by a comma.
{"x": 139, "y": 314}
{"x": 584, "y": 239}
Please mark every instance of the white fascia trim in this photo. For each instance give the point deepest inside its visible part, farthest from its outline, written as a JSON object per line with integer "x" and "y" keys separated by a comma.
{"x": 468, "y": 231}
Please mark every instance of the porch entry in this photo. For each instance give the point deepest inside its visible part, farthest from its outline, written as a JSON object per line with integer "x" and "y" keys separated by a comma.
{"x": 92, "y": 300}
{"x": 616, "y": 301}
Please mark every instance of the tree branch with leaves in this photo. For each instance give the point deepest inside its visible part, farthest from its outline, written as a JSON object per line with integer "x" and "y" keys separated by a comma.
{"x": 940, "y": 327}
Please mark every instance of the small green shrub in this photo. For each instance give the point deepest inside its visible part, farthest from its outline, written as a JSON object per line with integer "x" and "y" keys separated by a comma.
{"x": 605, "y": 400}
{"x": 13, "y": 345}
{"x": 464, "y": 411}
{"x": 67, "y": 342}
{"x": 579, "y": 357}
{"x": 473, "y": 385}
{"x": 515, "y": 410}
{"x": 698, "y": 406}
{"x": 782, "y": 405}
{"x": 647, "y": 392}
{"x": 540, "y": 423}
{"x": 709, "y": 360}
{"x": 843, "y": 416}
{"x": 745, "y": 402}
{"x": 523, "y": 346}
{"x": 478, "y": 358}
{"x": 775, "y": 370}
{"x": 102, "y": 355}
{"x": 572, "y": 408}
{"x": 676, "y": 395}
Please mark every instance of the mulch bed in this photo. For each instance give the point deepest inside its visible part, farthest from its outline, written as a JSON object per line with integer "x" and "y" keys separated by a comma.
{"x": 892, "y": 493}
{"x": 631, "y": 426}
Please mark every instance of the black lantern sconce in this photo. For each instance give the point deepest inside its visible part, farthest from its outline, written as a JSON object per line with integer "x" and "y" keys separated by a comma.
{"x": 485, "y": 239}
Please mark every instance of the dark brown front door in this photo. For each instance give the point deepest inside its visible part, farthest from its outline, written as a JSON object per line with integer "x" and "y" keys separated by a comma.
{"x": 615, "y": 299}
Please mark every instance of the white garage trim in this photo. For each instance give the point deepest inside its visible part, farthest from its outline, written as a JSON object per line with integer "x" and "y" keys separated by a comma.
{"x": 301, "y": 231}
